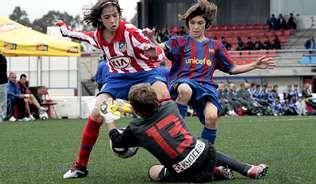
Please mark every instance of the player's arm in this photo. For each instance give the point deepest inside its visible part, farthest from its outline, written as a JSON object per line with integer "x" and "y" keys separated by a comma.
{"x": 66, "y": 31}
{"x": 122, "y": 138}
{"x": 151, "y": 47}
{"x": 226, "y": 64}
{"x": 263, "y": 62}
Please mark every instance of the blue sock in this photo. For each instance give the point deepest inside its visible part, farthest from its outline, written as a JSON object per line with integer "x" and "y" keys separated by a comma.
{"x": 183, "y": 109}
{"x": 209, "y": 134}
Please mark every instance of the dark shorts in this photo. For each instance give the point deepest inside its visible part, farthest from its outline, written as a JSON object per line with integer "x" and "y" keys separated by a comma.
{"x": 201, "y": 171}
{"x": 201, "y": 93}
{"x": 118, "y": 85}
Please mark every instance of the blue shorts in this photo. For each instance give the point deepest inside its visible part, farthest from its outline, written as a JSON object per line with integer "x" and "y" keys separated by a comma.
{"x": 201, "y": 93}
{"x": 118, "y": 85}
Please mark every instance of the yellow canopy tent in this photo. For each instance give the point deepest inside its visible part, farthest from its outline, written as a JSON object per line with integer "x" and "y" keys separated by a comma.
{"x": 18, "y": 40}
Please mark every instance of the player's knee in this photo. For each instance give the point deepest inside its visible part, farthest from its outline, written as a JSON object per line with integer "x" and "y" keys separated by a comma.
{"x": 161, "y": 89}
{"x": 95, "y": 114}
{"x": 184, "y": 92}
{"x": 211, "y": 118}
{"x": 154, "y": 172}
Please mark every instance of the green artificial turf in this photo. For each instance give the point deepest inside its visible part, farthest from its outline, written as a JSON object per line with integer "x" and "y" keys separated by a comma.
{"x": 41, "y": 151}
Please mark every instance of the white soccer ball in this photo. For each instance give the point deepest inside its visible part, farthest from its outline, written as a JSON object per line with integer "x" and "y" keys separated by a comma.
{"x": 125, "y": 152}
{"x": 43, "y": 116}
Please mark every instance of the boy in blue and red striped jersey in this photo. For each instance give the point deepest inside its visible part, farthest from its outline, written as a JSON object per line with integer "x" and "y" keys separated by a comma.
{"x": 194, "y": 59}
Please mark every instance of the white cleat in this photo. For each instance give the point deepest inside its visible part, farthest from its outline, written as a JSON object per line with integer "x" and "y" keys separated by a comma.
{"x": 75, "y": 173}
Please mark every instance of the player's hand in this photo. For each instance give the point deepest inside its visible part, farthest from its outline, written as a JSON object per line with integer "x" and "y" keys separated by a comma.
{"x": 124, "y": 106}
{"x": 265, "y": 62}
{"x": 149, "y": 33}
{"x": 110, "y": 111}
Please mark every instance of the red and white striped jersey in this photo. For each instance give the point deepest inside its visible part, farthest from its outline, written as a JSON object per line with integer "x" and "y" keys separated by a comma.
{"x": 125, "y": 52}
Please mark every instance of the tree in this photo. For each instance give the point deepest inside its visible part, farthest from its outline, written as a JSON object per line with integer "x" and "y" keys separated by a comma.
{"x": 20, "y": 16}
{"x": 51, "y": 17}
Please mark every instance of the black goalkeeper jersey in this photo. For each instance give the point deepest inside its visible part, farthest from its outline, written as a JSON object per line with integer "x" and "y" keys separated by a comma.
{"x": 166, "y": 136}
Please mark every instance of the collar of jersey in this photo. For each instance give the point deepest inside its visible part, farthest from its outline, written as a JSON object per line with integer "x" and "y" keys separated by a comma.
{"x": 118, "y": 35}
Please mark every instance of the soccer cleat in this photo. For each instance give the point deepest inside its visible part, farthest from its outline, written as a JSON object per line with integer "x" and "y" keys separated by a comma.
{"x": 25, "y": 119}
{"x": 257, "y": 171}
{"x": 223, "y": 173}
{"x": 76, "y": 173}
{"x": 12, "y": 119}
{"x": 31, "y": 117}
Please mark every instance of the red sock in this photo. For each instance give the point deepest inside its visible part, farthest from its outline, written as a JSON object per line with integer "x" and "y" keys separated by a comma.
{"x": 90, "y": 135}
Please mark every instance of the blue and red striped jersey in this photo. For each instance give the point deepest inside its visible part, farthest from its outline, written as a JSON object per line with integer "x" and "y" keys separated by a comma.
{"x": 197, "y": 60}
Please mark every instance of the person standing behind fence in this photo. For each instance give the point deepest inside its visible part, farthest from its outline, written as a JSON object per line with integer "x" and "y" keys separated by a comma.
{"x": 131, "y": 59}
{"x": 3, "y": 87}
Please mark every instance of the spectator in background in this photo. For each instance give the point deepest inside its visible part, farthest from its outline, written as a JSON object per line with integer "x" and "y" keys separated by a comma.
{"x": 296, "y": 93}
{"x": 227, "y": 45}
{"x": 3, "y": 87}
{"x": 267, "y": 45}
{"x": 308, "y": 96}
{"x": 300, "y": 105}
{"x": 165, "y": 35}
{"x": 29, "y": 98}
{"x": 276, "y": 43}
{"x": 272, "y": 22}
{"x": 182, "y": 31}
{"x": 281, "y": 22}
{"x": 240, "y": 44}
{"x": 291, "y": 24}
{"x": 249, "y": 44}
{"x": 15, "y": 97}
{"x": 252, "y": 89}
{"x": 310, "y": 43}
{"x": 288, "y": 94}
{"x": 307, "y": 91}
{"x": 102, "y": 74}
{"x": 257, "y": 45}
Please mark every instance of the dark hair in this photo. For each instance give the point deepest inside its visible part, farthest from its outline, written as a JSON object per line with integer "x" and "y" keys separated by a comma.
{"x": 202, "y": 8}
{"x": 144, "y": 100}
{"x": 22, "y": 75}
{"x": 92, "y": 15}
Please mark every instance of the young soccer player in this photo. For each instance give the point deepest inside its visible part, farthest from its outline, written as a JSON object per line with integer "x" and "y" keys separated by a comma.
{"x": 161, "y": 130}
{"x": 194, "y": 59}
{"x": 130, "y": 57}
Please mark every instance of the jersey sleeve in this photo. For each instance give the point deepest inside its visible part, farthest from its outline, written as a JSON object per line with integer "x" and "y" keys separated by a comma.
{"x": 139, "y": 41}
{"x": 173, "y": 46}
{"x": 88, "y": 37}
{"x": 223, "y": 59}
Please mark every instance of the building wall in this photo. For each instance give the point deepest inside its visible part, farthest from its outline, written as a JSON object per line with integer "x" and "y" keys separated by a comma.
{"x": 156, "y": 13}
{"x": 242, "y": 11}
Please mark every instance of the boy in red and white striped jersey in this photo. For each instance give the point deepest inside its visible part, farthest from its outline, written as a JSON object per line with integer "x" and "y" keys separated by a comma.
{"x": 131, "y": 59}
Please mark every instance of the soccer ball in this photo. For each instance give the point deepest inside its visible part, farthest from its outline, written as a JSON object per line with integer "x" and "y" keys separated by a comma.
{"x": 43, "y": 116}
{"x": 125, "y": 152}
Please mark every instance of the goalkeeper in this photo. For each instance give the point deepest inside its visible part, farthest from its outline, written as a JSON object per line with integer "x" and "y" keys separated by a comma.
{"x": 183, "y": 158}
